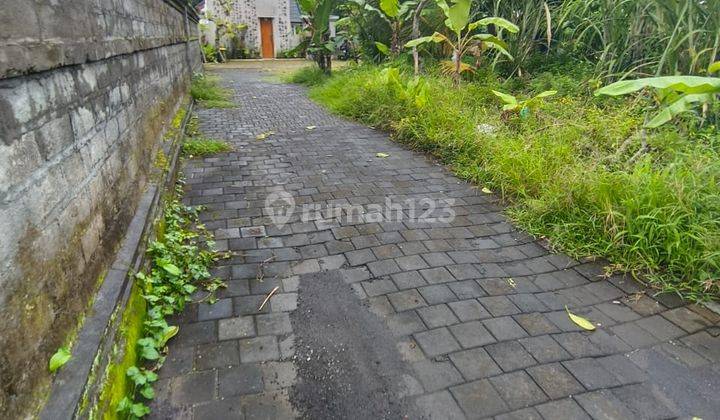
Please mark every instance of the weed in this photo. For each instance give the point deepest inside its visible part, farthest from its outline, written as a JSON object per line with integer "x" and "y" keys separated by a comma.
{"x": 208, "y": 92}
{"x": 310, "y": 75}
{"x": 198, "y": 146}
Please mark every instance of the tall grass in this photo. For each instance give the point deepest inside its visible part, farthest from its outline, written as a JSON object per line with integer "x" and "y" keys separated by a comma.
{"x": 570, "y": 171}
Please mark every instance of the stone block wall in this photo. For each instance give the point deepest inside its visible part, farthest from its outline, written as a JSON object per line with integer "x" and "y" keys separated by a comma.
{"x": 86, "y": 90}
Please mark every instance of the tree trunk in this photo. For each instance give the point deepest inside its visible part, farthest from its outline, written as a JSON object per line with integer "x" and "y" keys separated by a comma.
{"x": 456, "y": 75}
{"x": 416, "y": 34}
{"x": 394, "y": 47}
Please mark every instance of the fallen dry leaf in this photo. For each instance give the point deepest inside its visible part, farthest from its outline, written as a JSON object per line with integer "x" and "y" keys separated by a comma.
{"x": 580, "y": 321}
{"x": 382, "y": 155}
{"x": 486, "y": 190}
{"x": 310, "y": 127}
{"x": 264, "y": 135}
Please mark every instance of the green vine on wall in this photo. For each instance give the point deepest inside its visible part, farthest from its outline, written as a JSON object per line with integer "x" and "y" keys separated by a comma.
{"x": 181, "y": 259}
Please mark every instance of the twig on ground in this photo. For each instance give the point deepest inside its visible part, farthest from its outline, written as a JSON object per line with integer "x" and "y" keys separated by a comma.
{"x": 267, "y": 298}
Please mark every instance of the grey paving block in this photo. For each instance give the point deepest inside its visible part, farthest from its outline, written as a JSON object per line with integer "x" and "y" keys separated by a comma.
{"x": 686, "y": 319}
{"x": 405, "y": 323}
{"x": 555, "y": 380}
{"x": 544, "y": 349}
{"x": 437, "y": 316}
{"x": 383, "y": 268}
{"x": 438, "y": 293}
{"x": 479, "y": 399}
{"x": 411, "y": 262}
{"x": 193, "y": 388}
{"x": 436, "y": 342}
{"x": 646, "y": 400}
{"x": 259, "y": 349}
{"x": 566, "y": 409}
{"x": 510, "y": 355}
{"x": 603, "y": 405}
{"x": 233, "y": 328}
{"x": 216, "y": 355}
{"x": 499, "y": 305}
{"x": 522, "y": 414}
{"x": 240, "y": 380}
{"x": 578, "y": 344}
{"x": 409, "y": 279}
{"x": 466, "y": 289}
{"x": 406, "y": 300}
{"x": 223, "y": 308}
{"x": 660, "y": 328}
{"x": 518, "y": 390}
{"x": 472, "y": 334}
{"x": 536, "y": 324}
{"x": 273, "y": 324}
{"x": 278, "y": 375}
{"x": 475, "y": 364}
{"x": 377, "y": 287}
{"x": 469, "y": 310}
{"x": 283, "y": 302}
{"x": 229, "y": 408}
{"x": 436, "y": 375}
{"x": 437, "y": 275}
{"x": 196, "y": 333}
{"x": 591, "y": 374}
{"x": 439, "y": 406}
{"x": 504, "y": 328}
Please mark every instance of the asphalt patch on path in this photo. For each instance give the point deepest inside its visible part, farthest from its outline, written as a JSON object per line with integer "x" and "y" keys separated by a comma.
{"x": 347, "y": 361}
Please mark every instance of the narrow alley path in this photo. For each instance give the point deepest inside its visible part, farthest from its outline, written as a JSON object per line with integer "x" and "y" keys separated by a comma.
{"x": 384, "y": 309}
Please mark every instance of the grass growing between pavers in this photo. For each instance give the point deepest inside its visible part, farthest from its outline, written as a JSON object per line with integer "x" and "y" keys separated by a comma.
{"x": 209, "y": 94}
{"x": 199, "y": 146}
{"x": 578, "y": 170}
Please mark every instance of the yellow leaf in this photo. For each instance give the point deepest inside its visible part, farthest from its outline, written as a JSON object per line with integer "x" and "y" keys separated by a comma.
{"x": 310, "y": 127}
{"x": 580, "y": 321}
{"x": 511, "y": 282}
{"x": 382, "y": 155}
{"x": 264, "y": 135}
{"x": 486, "y": 190}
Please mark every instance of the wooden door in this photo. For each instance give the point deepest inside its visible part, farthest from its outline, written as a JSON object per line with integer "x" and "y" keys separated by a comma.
{"x": 266, "y": 38}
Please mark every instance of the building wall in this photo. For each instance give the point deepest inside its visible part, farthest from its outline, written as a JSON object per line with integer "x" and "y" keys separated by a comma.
{"x": 249, "y": 12}
{"x": 86, "y": 89}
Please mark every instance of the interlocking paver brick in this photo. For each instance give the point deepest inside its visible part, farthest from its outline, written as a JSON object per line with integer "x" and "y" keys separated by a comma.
{"x": 472, "y": 334}
{"x": 405, "y": 300}
{"x": 409, "y": 279}
{"x": 194, "y": 387}
{"x": 591, "y": 374}
{"x": 603, "y": 405}
{"x": 259, "y": 349}
{"x": 436, "y": 375}
{"x": 566, "y": 409}
{"x": 544, "y": 349}
{"x": 437, "y": 316}
{"x": 536, "y": 324}
{"x": 555, "y": 380}
{"x": 405, "y": 323}
{"x": 466, "y": 289}
{"x": 440, "y": 405}
{"x": 505, "y": 328}
{"x": 475, "y": 364}
{"x": 437, "y": 259}
{"x": 411, "y": 262}
{"x": 518, "y": 390}
{"x": 438, "y": 293}
{"x": 479, "y": 399}
{"x": 383, "y": 268}
{"x": 379, "y": 287}
{"x": 499, "y": 305}
{"x": 577, "y": 344}
{"x": 273, "y": 324}
{"x": 437, "y": 275}
{"x": 469, "y": 310}
{"x": 217, "y": 355}
{"x": 436, "y": 342}
{"x": 510, "y": 355}
{"x": 240, "y": 380}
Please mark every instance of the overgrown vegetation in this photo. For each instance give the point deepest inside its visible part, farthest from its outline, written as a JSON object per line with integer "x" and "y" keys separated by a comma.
{"x": 309, "y": 76}
{"x": 181, "y": 257}
{"x": 200, "y": 146}
{"x": 580, "y": 170}
{"x": 209, "y": 94}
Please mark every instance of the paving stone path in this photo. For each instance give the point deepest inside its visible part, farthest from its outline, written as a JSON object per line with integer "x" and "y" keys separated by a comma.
{"x": 472, "y": 310}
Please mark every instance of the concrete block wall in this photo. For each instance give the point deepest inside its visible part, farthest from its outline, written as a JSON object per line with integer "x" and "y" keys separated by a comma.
{"x": 86, "y": 90}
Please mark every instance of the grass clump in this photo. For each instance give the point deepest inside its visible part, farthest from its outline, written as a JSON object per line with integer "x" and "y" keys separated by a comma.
{"x": 209, "y": 94}
{"x": 578, "y": 170}
{"x": 310, "y": 76}
{"x": 199, "y": 146}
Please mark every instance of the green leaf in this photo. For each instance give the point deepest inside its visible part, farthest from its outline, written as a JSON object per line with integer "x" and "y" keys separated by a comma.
{"x": 497, "y": 21}
{"x": 391, "y": 8}
{"x": 149, "y": 353}
{"x": 169, "y": 333}
{"x": 508, "y": 99}
{"x": 458, "y": 16}
{"x": 169, "y": 267}
{"x": 124, "y": 405}
{"x": 61, "y": 356}
{"x": 683, "y": 104}
{"x": 139, "y": 410}
{"x": 307, "y": 6}
{"x": 546, "y": 94}
{"x": 685, "y": 84}
{"x": 494, "y": 44}
{"x": 436, "y": 37}
{"x": 580, "y": 321}
{"x": 490, "y": 39}
{"x": 148, "y": 392}
{"x": 714, "y": 67}
{"x": 382, "y": 48}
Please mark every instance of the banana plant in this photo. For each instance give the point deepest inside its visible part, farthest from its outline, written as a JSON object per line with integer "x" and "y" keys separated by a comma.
{"x": 522, "y": 107}
{"x": 464, "y": 38}
{"x": 395, "y": 14}
{"x": 675, "y": 94}
{"x": 318, "y": 24}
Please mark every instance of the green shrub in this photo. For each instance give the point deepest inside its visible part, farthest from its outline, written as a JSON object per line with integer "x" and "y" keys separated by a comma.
{"x": 310, "y": 76}
{"x": 580, "y": 171}
{"x": 198, "y": 146}
{"x": 207, "y": 91}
